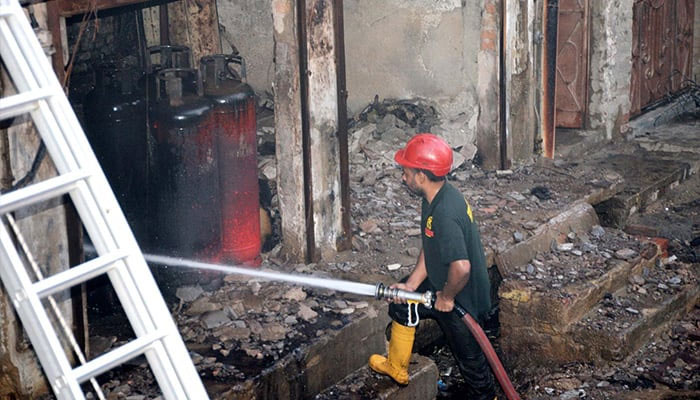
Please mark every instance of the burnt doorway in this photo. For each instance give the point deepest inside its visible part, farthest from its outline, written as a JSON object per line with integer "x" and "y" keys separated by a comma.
{"x": 662, "y": 47}
{"x": 572, "y": 63}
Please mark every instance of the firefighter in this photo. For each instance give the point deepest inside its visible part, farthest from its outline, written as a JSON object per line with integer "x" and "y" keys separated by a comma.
{"x": 451, "y": 264}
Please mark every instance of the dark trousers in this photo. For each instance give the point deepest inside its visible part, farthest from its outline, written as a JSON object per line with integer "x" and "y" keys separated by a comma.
{"x": 466, "y": 350}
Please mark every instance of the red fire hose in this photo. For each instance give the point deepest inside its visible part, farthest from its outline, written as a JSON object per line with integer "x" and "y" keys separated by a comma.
{"x": 491, "y": 356}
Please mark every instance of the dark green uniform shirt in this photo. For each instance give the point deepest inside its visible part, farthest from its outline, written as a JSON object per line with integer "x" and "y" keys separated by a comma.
{"x": 450, "y": 233}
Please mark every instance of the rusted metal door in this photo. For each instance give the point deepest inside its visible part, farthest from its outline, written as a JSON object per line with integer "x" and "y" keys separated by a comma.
{"x": 662, "y": 45}
{"x": 572, "y": 63}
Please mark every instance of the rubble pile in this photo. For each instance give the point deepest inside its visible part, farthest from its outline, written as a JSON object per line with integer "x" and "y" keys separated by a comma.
{"x": 581, "y": 258}
{"x": 670, "y": 361}
{"x": 247, "y": 325}
{"x": 355, "y": 389}
{"x": 511, "y": 205}
{"x": 644, "y": 292}
{"x": 510, "y": 208}
{"x": 239, "y": 330}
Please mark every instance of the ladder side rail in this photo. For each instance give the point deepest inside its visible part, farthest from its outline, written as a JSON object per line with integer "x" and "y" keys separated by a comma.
{"x": 164, "y": 370}
{"x": 108, "y": 207}
{"x": 140, "y": 282}
{"x": 31, "y": 49}
{"x": 142, "y": 276}
{"x": 166, "y": 373}
{"x": 59, "y": 151}
{"x": 35, "y": 321}
{"x": 176, "y": 349}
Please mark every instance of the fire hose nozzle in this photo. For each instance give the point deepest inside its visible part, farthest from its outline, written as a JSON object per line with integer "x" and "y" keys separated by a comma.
{"x": 384, "y": 292}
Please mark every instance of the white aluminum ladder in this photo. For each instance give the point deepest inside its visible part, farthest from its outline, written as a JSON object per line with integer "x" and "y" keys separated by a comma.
{"x": 80, "y": 176}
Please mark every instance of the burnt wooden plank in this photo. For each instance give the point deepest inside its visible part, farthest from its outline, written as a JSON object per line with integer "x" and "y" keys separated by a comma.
{"x": 67, "y": 8}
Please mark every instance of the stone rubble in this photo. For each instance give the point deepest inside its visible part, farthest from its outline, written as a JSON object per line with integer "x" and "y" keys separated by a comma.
{"x": 244, "y": 326}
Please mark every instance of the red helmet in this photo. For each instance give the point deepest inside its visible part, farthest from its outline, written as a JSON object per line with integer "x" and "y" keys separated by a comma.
{"x": 426, "y": 151}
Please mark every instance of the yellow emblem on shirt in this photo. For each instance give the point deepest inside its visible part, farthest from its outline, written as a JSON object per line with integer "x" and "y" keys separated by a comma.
{"x": 429, "y": 227}
{"x": 469, "y": 211}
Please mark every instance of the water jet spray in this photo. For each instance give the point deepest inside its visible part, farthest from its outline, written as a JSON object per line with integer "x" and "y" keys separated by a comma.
{"x": 378, "y": 291}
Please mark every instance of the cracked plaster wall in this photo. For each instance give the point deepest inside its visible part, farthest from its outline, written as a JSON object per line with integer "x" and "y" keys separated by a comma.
{"x": 610, "y": 65}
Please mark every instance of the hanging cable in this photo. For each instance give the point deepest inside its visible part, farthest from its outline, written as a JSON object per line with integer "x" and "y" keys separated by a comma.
{"x": 31, "y": 174}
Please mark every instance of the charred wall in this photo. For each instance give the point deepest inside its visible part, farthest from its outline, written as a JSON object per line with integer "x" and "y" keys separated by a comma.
{"x": 111, "y": 37}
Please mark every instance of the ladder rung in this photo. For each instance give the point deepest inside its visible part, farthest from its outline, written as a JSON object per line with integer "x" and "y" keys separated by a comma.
{"x": 116, "y": 357}
{"x": 52, "y": 187}
{"x": 19, "y": 104}
{"x": 6, "y": 11}
{"x": 78, "y": 275}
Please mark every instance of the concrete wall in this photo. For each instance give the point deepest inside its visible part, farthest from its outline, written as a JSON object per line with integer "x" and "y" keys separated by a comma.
{"x": 418, "y": 48}
{"x": 247, "y": 25}
{"x": 394, "y": 49}
{"x": 610, "y": 65}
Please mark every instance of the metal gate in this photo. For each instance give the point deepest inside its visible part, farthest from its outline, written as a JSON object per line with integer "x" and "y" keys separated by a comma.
{"x": 662, "y": 47}
{"x": 572, "y": 63}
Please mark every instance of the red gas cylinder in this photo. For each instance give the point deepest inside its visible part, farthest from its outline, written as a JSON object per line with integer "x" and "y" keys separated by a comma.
{"x": 233, "y": 124}
{"x": 184, "y": 196}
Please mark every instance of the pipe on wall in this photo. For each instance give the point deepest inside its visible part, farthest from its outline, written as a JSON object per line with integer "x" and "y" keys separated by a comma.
{"x": 549, "y": 69}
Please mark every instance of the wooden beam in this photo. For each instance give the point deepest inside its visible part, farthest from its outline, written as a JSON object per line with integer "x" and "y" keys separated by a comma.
{"x": 194, "y": 23}
{"x": 53, "y": 18}
{"x": 289, "y": 149}
{"x": 323, "y": 126}
{"x": 67, "y": 8}
{"x": 521, "y": 83}
{"x": 488, "y": 87}
{"x": 549, "y": 69}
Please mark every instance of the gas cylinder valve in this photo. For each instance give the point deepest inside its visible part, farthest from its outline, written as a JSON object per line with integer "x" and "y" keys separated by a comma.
{"x": 385, "y": 292}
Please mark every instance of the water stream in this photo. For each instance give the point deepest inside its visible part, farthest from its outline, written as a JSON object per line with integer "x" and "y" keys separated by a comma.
{"x": 325, "y": 283}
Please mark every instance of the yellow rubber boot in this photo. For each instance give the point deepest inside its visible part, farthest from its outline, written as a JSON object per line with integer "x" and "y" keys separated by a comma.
{"x": 396, "y": 363}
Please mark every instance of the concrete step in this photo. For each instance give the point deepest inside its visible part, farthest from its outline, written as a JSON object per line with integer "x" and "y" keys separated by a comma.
{"x": 326, "y": 360}
{"x": 617, "y": 325}
{"x": 557, "y": 288}
{"x": 366, "y": 384}
{"x": 580, "y": 217}
{"x": 647, "y": 177}
{"x": 624, "y": 321}
{"x": 572, "y": 143}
